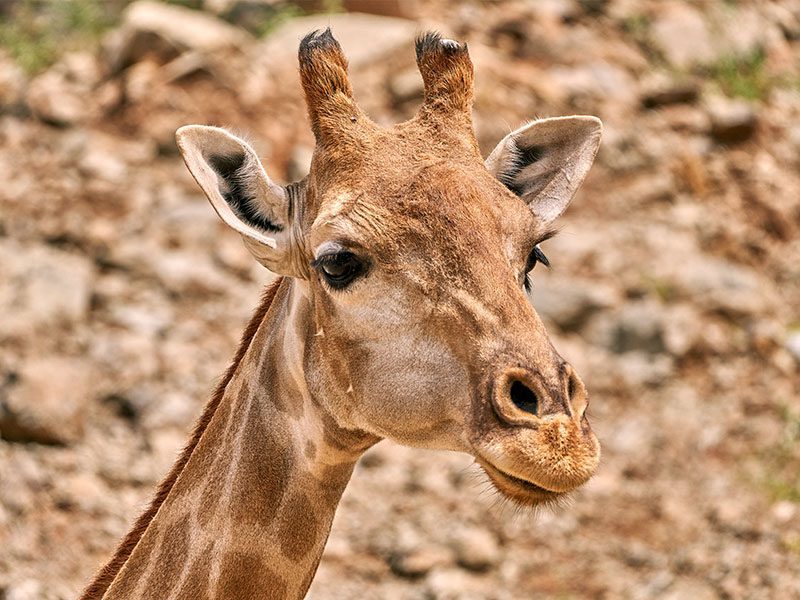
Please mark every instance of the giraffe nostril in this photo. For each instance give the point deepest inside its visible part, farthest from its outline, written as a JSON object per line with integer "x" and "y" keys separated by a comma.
{"x": 524, "y": 398}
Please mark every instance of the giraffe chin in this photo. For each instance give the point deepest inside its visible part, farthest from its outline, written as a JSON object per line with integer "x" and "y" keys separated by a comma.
{"x": 520, "y": 491}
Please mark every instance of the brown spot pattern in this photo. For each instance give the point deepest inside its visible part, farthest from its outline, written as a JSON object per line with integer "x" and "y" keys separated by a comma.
{"x": 196, "y": 585}
{"x": 263, "y": 473}
{"x": 245, "y": 576}
{"x": 298, "y": 528}
{"x": 170, "y": 560}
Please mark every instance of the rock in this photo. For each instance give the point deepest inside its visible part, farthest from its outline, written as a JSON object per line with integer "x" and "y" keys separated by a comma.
{"x": 723, "y": 287}
{"x": 364, "y": 38}
{"x": 100, "y": 160}
{"x": 54, "y": 99}
{"x": 420, "y": 561}
{"x": 66, "y": 93}
{"x": 476, "y": 549}
{"x": 46, "y": 402}
{"x": 165, "y": 31}
{"x": 12, "y": 84}
{"x": 731, "y": 121}
{"x": 666, "y": 91}
{"x": 454, "y": 584}
{"x": 743, "y": 31}
{"x": 638, "y": 326}
{"x": 784, "y": 511}
{"x": 187, "y": 273}
{"x": 570, "y": 303}
{"x": 793, "y": 344}
{"x": 406, "y": 86}
{"x": 26, "y": 589}
{"x": 406, "y": 9}
{"x": 639, "y": 368}
{"x": 299, "y": 162}
{"x": 597, "y": 79}
{"x": 689, "y": 588}
{"x": 682, "y": 35}
{"x": 41, "y": 287}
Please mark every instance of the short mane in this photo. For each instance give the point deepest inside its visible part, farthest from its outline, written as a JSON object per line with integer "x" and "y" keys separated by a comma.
{"x": 101, "y": 582}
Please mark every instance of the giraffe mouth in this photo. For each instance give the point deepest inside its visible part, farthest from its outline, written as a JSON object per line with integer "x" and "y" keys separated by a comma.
{"x": 521, "y": 491}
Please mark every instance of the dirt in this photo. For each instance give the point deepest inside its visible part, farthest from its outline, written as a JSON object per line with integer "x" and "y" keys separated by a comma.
{"x": 675, "y": 292}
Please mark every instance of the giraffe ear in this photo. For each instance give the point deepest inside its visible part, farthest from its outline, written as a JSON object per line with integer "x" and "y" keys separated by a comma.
{"x": 231, "y": 175}
{"x": 545, "y": 162}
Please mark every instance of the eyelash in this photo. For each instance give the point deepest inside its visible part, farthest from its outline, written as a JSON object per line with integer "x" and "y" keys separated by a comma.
{"x": 536, "y": 256}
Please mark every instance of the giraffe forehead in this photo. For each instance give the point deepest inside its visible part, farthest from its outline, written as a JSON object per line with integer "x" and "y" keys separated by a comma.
{"x": 436, "y": 207}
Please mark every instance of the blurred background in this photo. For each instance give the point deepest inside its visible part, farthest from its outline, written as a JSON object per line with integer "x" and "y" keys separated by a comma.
{"x": 675, "y": 288}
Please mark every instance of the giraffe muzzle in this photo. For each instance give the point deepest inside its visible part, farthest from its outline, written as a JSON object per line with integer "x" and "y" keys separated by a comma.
{"x": 535, "y": 442}
{"x": 522, "y": 397}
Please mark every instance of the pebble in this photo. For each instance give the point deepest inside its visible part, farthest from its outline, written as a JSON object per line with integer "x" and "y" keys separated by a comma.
{"x": 45, "y": 287}
{"x": 731, "y": 121}
{"x": 476, "y": 549}
{"x": 420, "y": 561}
{"x": 47, "y": 401}
{"x": 793, "y": 344}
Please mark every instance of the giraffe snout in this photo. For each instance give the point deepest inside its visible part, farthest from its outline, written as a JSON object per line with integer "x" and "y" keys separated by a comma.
{"x": 523, "y": 397}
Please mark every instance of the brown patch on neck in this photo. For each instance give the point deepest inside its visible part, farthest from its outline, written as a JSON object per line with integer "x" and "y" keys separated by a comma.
{"x": 102, "y": 581}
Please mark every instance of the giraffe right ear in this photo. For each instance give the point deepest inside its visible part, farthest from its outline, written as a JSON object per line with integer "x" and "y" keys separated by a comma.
{"x": 231, "y": 175}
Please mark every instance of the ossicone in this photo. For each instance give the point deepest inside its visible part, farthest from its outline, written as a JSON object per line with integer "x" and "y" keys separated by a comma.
{"x": 447, "y": 73}
{"x": 328, "y": 93}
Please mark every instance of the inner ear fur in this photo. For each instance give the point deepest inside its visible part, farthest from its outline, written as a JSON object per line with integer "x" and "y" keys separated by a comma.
{"x": 232, "y": 177}
{"x": 545, "y": 162}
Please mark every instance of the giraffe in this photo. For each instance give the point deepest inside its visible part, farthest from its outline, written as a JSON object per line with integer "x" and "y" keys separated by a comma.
{"x": 400, "y": 312}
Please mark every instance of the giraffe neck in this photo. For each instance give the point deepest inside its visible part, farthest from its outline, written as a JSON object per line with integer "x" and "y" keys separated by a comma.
{"x": 249, "y": 514}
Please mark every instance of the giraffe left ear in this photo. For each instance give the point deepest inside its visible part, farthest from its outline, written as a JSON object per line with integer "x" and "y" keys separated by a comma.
{"x": 545, "y": 162}
{"x": 232, "y": 177}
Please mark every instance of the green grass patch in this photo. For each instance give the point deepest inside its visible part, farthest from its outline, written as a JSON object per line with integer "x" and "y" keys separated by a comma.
{"x": 36, "y": 33}
{"x": 782, "y": 461}
{"x": 742, "y": 76}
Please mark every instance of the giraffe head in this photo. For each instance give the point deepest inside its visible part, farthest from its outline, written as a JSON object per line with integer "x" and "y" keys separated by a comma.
{"x": 413, "y": 253}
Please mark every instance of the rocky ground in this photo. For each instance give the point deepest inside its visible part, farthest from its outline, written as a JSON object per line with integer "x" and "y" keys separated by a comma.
{"x": 675, "y": 289}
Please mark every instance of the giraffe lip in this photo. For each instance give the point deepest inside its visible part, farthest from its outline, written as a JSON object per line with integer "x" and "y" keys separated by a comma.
{"x": 520, "y": 490}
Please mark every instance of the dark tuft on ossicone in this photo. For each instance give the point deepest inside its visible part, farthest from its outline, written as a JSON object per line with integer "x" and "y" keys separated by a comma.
{"x": 318, "y": 40}
{"x": 433, "y": 43}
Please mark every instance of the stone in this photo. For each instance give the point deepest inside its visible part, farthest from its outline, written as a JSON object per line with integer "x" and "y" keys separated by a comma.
{"x": 570, "y": 303}
{"x": 406, "y": 9}
{"x": 299, "y": 162}
{"x": 639, "y": 368}
{"x": 731, "y": 121}
{"x": 723, "y": 287}
{"x": 476, "y": 549}
{"x": 100, "y": 160}
{"x": 682, "y": 35}
{"x": 667, "y": 91}
{"x": 46, "y": 401}
{"x": 26, "y": 589}
{"x": 597, "y": 79}
{"x": 364, "y": 38}
{"x": 406, "y": 86}
{"x": 455, "y": 584}
{"x": 42, "y": 287}
{"x": 793, "y": 344}
{"x": 419, "y": 561}
{"x": 638, "y": 326}
{"x": 784, "y": 511}
{"x": 54, "y": 99}
{"x": 689, "y": 588}
{"x": 166, "y": 30}
{"x": 183, "y": 272}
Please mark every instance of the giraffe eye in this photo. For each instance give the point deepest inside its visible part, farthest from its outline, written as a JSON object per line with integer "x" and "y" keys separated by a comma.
{"x": 536, "y": 256}
{"x": 339, "y": 269}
